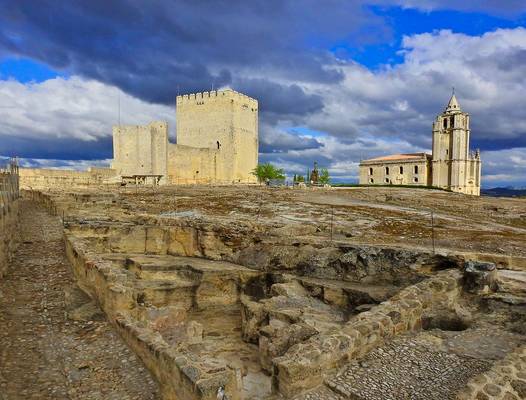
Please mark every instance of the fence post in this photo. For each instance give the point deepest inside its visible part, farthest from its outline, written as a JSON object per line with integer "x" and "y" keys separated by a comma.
{"x": 433, "y": 231}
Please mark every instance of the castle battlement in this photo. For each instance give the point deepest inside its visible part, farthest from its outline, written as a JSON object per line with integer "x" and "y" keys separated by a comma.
{"x": 127, "y": 129}
{"x": 215, "y": 94}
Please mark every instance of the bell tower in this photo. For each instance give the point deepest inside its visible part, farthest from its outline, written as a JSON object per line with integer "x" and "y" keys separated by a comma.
{"x": 454, "y": 167}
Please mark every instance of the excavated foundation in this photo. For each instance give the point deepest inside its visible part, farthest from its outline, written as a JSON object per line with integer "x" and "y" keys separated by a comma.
{"x": 267, "y": 315}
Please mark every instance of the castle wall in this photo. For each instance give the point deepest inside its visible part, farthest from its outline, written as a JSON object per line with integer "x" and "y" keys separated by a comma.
{"x": 46, "y": 179}
{"x": 401, "y": 172}
{"x": 192, "y": 165}
{"x": 140, "y": 150}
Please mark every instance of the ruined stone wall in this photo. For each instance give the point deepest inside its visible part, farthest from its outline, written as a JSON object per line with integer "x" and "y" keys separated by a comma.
{"x": 180, "y": 377}
{"x": 305, "y": 364}
{"x": 506, "y": 380}
{"x": 9, "y": 198}
{"x": 46, "y": 179}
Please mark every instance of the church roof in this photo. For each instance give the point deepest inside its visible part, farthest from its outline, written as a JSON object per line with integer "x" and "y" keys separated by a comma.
{"x": 453, "y": 104}
{"x": 402, "y": 157}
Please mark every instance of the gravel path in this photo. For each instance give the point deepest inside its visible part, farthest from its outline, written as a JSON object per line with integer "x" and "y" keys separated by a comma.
{"x": 43, "y": 355}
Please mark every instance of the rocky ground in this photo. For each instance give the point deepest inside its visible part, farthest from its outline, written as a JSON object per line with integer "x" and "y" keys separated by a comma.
{"x": 377, "y": 216}
{"x": 43, "y": 353}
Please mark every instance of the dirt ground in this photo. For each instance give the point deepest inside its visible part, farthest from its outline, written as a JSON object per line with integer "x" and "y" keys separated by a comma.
{"x": 43, "y": 354}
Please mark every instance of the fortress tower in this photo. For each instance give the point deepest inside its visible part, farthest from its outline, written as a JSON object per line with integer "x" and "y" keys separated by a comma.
{"x": 454, "y": 166}
{"x": 223, "y": 121}
{"x": 141, "y": 150}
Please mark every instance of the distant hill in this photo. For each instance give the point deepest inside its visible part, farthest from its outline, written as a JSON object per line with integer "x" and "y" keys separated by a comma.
{"x": 504, "y": 192}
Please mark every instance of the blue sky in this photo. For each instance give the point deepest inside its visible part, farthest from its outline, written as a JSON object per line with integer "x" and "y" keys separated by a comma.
{"x": 350, "y": 80}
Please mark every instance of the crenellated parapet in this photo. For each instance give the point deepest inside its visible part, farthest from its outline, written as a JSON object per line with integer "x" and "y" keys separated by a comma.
{"x": 216, "y": 95}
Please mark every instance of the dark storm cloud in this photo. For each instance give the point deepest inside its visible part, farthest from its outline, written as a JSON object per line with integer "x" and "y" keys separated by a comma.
{"x": 279, "y": 98}
{"x": 155, "y": 49}
{"x": 65, "y": 148}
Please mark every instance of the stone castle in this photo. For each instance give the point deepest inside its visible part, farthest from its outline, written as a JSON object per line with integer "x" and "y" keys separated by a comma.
{"x": 217, "y": 142}
{"x": 452, "y": 165}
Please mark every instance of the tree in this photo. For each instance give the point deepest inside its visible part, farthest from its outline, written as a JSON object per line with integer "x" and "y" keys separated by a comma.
{"x": 325, "y": 178}
{"x": 268, "y": 171}
{"x": 299, "y": 178}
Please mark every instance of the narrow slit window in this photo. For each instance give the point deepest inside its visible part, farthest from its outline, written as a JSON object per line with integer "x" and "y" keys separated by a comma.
{"x": 401, "y": 170}
{"x": 370, "y": 171}
{"x": 387, "y": 170}
{"x": 416, "y": 169}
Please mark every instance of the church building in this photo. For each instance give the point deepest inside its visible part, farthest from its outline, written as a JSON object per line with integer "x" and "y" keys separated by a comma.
{"x": 451, "y": 166}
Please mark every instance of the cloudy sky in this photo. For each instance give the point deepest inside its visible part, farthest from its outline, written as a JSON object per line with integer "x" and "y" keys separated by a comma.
{"x": 337, "y": 81}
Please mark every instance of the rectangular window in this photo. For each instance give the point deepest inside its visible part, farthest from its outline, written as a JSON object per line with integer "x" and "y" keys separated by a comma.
{"x": 387, "y": 170}
{"x": 370, "y": 171}
{"x": 401, "y": 170}
{"x": 416, "y": 169}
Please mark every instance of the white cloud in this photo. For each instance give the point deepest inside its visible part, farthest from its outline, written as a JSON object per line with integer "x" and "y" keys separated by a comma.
{"x": 497, "y": 7}
{"x": 395, "y": 106}
{"x": 72, "y": 108}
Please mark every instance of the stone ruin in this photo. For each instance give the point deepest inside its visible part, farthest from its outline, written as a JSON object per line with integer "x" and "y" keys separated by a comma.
{"x": 272, "y": 315}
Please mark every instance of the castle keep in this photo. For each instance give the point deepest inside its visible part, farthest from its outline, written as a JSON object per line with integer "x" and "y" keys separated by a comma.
{"x": 217, "y": 142}
{"x": 452, "y": 165}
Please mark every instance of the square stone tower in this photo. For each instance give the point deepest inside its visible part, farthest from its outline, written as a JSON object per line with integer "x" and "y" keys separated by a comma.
{"x": 140, "y": 150}
{"x": 226, "y": 121}
{"x": 454, "y": 166}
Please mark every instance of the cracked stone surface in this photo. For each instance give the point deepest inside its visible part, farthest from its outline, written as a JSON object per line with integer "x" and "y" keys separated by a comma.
{"x": 43, "y": 355}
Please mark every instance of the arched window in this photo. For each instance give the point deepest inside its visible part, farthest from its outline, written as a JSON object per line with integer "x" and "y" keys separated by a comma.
{"x": 218, "y": 145}
{"x": 387, "y": 170}
{"x": 445, "y": 122}
{"x": 415, "y": 179}
{"x": 371, "y": 180}
{"x": 452, "y": 121}
{"x": 370, "y": 171}
{"x": 416, "y": 169}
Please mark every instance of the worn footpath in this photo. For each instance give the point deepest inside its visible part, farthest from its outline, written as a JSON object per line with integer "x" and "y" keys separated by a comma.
{"x": 43, "y": 353}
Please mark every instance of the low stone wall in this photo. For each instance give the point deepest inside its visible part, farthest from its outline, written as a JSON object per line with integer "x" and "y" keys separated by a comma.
{"x": 305, "y": 365}
{"x": 46, "y": 179}
{"x": 180, "y": 376}
{"x": 506, "y": 380}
